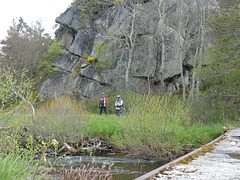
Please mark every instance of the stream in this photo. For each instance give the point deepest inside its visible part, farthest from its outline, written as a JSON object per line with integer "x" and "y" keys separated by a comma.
{"x": 130, "y": 167}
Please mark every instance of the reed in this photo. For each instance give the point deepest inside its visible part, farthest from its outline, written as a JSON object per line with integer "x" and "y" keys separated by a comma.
{"x": 89, "y": 171}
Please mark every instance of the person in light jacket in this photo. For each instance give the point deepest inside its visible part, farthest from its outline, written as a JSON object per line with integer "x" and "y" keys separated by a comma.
{"x": 118, "y": 105}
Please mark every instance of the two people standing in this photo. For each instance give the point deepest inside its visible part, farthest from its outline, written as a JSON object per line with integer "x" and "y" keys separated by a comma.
{"x": 104, "y": 101}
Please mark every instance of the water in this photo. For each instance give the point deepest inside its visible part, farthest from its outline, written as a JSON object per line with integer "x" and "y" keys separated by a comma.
{"x": 234, "y": 155}
{"x": 130, "y": 167}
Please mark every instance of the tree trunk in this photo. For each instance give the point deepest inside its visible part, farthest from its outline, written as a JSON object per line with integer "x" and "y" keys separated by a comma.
{"x": 180, "y": 52}
{"x": 128, "y": 67}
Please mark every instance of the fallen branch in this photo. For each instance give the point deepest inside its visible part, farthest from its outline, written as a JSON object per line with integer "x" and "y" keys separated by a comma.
{"x": 71, "y": 149}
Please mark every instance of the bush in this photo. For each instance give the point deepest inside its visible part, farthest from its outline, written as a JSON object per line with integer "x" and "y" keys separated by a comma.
{"x": 45, "y": 68}
{"x": 152, "y": 125}
{"x": 203, "y": 111}
{"x": 63, "y": 118}
{"x": 54, "y": 51}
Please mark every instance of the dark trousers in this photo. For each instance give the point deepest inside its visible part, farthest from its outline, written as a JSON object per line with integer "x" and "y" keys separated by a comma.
{"x": 103, "y": 108}
{"x": 118, "y": 112}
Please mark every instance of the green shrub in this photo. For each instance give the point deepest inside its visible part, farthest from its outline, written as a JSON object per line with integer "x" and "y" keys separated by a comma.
{"x": 63, "y": 118}
{"x": 45, "y": 68}
{"x": 203, "y": 111}
{"x": 54, "y": 51}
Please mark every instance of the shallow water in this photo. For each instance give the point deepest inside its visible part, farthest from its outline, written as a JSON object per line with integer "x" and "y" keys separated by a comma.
{"x": 131, "y": 167}
{"x": 234, "y": 155}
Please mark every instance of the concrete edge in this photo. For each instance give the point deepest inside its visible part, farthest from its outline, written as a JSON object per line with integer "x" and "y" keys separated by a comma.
{"x": 150, "y": 174}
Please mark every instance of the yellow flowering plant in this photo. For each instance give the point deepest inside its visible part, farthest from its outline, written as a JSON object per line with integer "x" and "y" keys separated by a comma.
{"x": 90, "y": 59}
{"x": 118, "y": 1}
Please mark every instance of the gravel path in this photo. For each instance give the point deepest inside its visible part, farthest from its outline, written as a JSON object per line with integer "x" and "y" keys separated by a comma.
{"x": 223, "y": 163}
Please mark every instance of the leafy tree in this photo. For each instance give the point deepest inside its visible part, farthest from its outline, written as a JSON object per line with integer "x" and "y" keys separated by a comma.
{"x": 25, "y": 45}
{"x": 221, "y": 77}
{"x": 16, "y": 90}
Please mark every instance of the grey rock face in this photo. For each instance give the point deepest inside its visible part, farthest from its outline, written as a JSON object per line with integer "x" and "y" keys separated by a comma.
{"x": 66, "y": 62}
{"x": 154, "y": 42}
{"x": 83, "y": 43}
{"x": 67, "y": 40}
{"x": 60, "y": 83}
{"x": 72, "y": 18}
{"x": 90, "y": 73}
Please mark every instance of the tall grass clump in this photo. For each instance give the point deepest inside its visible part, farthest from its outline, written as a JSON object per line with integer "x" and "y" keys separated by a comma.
{"x": 62, "y": 118}
{"x": 152, "y": 125}
{"x": 16, "y": 167}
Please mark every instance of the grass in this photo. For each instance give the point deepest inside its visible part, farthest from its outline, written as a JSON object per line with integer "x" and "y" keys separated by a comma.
{"x": 16, "y": 167}
{"x": 199, "y": 134}
{"x": 102, "y": 126}
{"x": 156, "y": 126}
{"x": 150, "y": 138}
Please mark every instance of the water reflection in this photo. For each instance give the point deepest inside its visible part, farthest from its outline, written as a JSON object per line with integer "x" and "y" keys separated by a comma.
{"x": 130, "y": 167}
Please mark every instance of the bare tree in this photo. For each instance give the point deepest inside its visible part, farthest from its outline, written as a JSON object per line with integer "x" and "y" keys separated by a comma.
{"x": 180, "y": 47}
{"x": 130, "y": 40}
{"x": 202, "y": 11}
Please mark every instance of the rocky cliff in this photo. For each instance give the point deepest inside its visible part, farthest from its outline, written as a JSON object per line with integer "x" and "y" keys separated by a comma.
{"x": 143, "y": 46}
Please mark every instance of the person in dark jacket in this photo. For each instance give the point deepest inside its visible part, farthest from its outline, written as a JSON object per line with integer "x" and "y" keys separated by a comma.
{"x": 103, "y": 103}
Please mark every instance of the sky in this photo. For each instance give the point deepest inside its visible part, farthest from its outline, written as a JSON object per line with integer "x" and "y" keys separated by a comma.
{"x": 31, "y": 11}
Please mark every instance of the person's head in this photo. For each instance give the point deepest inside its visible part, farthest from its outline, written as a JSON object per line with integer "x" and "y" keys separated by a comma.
{"x": 103, "y": 94}
{"x": 118, "y": 96}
